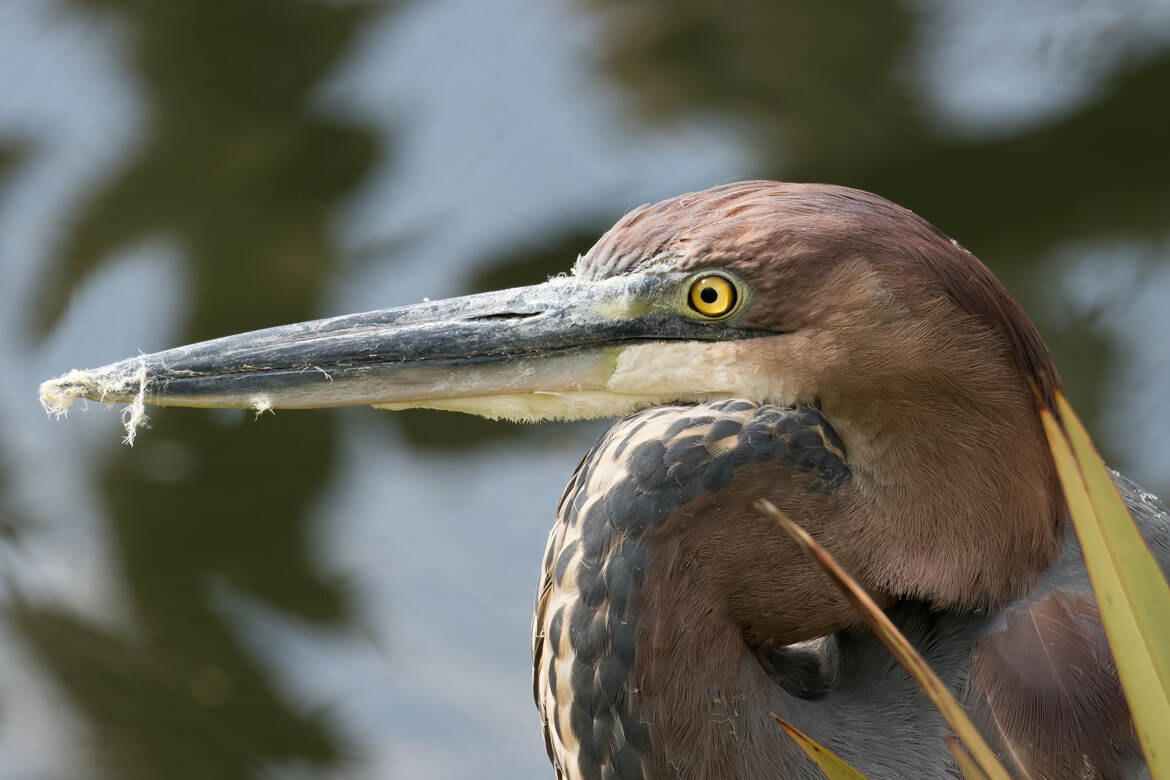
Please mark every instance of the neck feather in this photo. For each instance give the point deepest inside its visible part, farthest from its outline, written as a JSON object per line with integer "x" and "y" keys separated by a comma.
{"x": 957, "y": 493}
{"x": 665, "y": 595}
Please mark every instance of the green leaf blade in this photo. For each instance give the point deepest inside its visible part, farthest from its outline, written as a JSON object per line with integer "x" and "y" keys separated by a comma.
{"x": 1133, "y": 596}
{"x": 833, "y": 766}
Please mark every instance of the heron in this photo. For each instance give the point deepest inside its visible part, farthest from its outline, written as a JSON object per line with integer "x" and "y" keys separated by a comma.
{"x": 814, "y": 345}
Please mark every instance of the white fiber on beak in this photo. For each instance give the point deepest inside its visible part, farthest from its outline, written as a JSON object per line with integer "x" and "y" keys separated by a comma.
{"x": 262, "y": 403}
{"x": 58, "y": 394}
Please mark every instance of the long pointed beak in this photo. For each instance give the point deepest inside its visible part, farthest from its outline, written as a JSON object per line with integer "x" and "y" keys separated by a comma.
{"x": 563, "y": 336}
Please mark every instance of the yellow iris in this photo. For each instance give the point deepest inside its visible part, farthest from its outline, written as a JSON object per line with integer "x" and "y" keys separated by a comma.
{"x": 713, "y": 296}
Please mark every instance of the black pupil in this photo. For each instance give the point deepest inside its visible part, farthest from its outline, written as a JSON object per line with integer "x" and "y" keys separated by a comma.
{"x": 709, "y": 295}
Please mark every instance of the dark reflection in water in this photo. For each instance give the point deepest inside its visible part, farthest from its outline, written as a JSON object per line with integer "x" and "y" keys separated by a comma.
{"x": 11, "y": 524}
{"x": 242, "y": 175}
{"x": 9, "y": 154}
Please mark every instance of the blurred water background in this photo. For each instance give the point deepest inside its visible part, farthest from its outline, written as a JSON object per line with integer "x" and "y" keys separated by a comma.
{"x": 347, "y": 593}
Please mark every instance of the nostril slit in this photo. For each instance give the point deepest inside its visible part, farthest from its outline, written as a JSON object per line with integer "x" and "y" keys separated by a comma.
{"x": 506, "y": 315}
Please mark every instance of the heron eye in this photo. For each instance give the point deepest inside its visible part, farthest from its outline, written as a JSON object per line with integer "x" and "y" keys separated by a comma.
{"x": 713, "y": 296}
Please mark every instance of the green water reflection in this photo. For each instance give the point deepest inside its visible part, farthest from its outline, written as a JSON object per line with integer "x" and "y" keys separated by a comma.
{"x": 242, "y": 176}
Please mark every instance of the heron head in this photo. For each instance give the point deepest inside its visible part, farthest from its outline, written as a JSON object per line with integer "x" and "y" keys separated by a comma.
{"x": 850, "y": 299}
{"x": 779, "y": 293}
{"x": 776, "y": 293}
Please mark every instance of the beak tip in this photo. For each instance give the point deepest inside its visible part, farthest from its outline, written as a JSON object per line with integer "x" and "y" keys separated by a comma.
{"x": 57, "y": 395}
{"x": 124, "y": 381}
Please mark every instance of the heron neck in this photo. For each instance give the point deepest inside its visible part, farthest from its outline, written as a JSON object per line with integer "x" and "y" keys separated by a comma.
{"x": 960, "y": 497}
{"x": 661, "y": 579}
{"x": 665, "y": 681}
{"x": 700, "y": 684}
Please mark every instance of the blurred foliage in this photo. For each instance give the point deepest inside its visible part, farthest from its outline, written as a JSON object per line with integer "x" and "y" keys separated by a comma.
{"x": 242, "y": 174}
